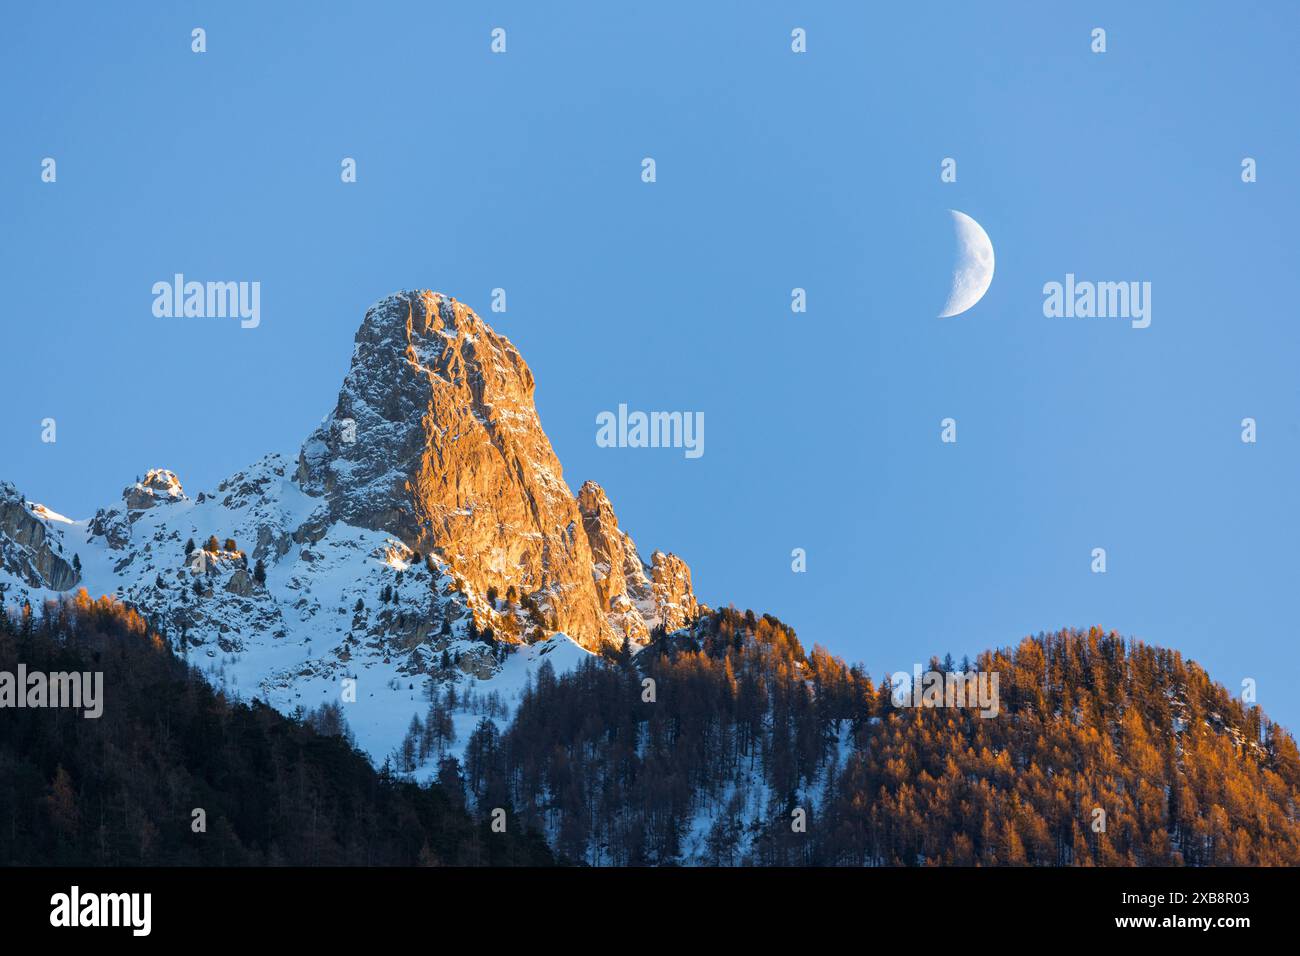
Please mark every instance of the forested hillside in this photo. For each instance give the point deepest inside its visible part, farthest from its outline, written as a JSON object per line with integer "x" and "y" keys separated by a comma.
{"x": 746, "y": 733}
{"x": 726, "y": 744}
{"x": 120, "y": 790}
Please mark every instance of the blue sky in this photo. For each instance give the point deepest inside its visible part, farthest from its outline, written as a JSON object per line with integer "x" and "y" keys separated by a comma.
{"x": 775, "y": 170}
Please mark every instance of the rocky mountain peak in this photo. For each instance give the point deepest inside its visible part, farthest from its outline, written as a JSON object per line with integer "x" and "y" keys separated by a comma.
{"x": 159, "y": 486}
{"x": 433, "y": 446}
{"x": 435, "y": 439}
{"x": 161, "y": 483}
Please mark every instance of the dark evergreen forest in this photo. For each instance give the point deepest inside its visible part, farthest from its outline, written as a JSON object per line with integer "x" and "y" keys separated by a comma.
{"x": 120, "y": 790}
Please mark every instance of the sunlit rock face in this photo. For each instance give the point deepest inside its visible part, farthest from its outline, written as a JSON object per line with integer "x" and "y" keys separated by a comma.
{"x": 159, "y": 486}
{"x": 424, "y": 526}
{"x": 636, "y": 596}
{"x": 113, "y": 524}
{"x": 435, "y": 439}
{"x": 621, "y": 585}
{"x": 423, "y": 534}
{"x": 675, "y": 604}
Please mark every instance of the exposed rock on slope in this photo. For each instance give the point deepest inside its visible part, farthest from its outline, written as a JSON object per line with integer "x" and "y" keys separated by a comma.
{"x": 428, "y": 508}
{"x": 435, "y": 439}
{"x": 160, "y": 486}
{"x": 675, "y": 602}
{"x": 29, "y": 551}
{"x": 113, "y": 524}
{"x": 637, "y": 597}
{"x": 422, "y": 536}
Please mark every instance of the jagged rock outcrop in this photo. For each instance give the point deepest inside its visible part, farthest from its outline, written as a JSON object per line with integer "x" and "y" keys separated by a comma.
{"x": 113, "y": 525}
{"x": 435, "y": 439}
{"x": 27, "y": 550}
{"x": 673, "y": 595}
{"x": 636, "y": 596}
{"x": 621, "y": 585}
{"x": 434, "y": 446}
{"x": 160, "y": 486}
{"x": 241, "y": 583}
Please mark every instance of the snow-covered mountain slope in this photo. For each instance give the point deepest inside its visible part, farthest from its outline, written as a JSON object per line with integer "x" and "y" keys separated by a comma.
{"x": 422, "y": 535}
{"x": 337, "y": 602}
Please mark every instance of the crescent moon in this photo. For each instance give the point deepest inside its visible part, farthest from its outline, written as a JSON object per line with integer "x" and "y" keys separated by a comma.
{"x": 973, "y": 272}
